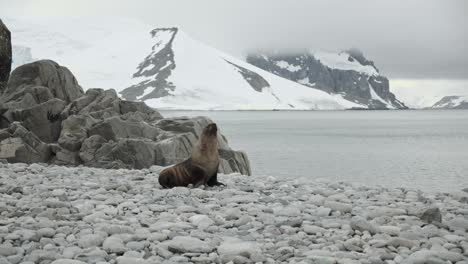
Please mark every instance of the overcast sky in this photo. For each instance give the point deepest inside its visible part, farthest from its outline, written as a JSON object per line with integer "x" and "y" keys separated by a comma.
{"x": 421, "y": 39}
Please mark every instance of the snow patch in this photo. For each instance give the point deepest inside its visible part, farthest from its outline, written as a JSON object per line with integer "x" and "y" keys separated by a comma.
{"x": 340, "y": 61}
{"x": 285, "y": 65}
{"x": 147, "y": 91}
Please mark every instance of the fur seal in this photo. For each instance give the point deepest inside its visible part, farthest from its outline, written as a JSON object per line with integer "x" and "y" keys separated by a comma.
{"x": 201, "y": 168}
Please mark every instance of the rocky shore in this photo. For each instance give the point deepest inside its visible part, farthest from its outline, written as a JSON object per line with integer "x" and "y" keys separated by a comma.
{"x": 63, "y": 215}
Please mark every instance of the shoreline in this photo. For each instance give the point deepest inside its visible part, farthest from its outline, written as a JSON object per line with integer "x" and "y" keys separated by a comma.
{"x": 94, "y": 215}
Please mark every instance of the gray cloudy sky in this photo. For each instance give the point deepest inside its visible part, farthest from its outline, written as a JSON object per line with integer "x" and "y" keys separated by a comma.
{"x": 421, "y": 39}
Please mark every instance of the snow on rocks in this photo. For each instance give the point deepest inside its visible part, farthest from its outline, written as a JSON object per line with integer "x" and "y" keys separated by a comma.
{"x": 87, "y": 215}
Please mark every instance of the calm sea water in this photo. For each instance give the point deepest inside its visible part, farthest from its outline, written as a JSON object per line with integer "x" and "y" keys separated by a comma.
{"x": 425, "y": 150}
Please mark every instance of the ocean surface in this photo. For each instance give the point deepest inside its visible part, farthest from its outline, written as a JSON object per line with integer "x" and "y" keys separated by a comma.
{"x": 426, "y": 149}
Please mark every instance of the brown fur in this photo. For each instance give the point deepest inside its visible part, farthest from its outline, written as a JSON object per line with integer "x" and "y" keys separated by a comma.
{"x": 201, "y": 168}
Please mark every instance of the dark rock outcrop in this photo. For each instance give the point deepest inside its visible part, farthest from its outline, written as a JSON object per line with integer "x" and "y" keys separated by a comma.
{"x": 46, "y": 117}
{"x": 354, "y": 86}
{"x": 155, "y": 69}
{"x": 5, "y": 55}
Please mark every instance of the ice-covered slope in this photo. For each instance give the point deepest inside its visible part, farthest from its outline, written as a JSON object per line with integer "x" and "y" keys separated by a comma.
{"x": 182, "y": 73}
{"x": 100, "y": 52}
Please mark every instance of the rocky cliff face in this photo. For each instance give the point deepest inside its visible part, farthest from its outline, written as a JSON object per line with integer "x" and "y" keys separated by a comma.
{"x": 5, "y": 55}
{"x": 46, "y": 117}
{"x": 452, "y": 102}
{"x": 347, "y": 73}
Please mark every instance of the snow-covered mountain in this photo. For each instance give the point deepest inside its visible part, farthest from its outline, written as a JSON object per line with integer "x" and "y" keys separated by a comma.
{"x": 166, "y": 69}
{"x": 180, "y": 72}
{"x": 346, "y": 73}
{"x": 452, "y": 102}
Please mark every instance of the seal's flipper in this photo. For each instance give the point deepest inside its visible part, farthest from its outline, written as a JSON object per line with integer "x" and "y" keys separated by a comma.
{"x": 213, "y": 181}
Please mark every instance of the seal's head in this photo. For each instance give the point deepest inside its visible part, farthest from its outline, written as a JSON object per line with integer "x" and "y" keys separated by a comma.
{"x": 210, "y": 130}
{"x": 208, "y": 141}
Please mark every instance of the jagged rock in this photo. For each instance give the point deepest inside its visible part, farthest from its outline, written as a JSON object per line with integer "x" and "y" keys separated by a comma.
{"x": 126, "y": 153}
{"x": 234, "y": 161}
{"x": 89, "y": 147}
{"x": 5, "y": 55}
{"x": 115, "y": 127}
{"x": 23, "y": 146}
{"x": 42, "y": 119}
{"x": 48, "y": 118}
{"x": 75, "y": 131}
{"x": 98, "y": 103}
{"x": 174, "y": 149}
{"x": 149, "y": 113}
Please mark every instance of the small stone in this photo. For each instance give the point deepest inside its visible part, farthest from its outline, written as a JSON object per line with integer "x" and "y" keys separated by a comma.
{"x": 186, "y": 244}
{"x": 114, "y": 244}
{"x": 431, "y": 215}
{"x": 359, "y": 223}
{"x": 91, "y": 240}
{"x": 46, "y": 232}
{"x": 7, "y": 250}
{"x": 338, "y": 206}
{"x": 67, "y": 261}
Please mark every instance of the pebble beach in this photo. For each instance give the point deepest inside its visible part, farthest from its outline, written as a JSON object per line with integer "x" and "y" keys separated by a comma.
{"x": 66, "y": 215}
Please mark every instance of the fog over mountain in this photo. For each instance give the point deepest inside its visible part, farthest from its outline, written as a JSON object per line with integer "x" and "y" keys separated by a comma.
{"x": 409, "y": 39}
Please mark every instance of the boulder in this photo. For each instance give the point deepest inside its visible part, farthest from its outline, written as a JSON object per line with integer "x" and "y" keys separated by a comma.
{"x": 5, "y": 55}
{"x": 46, "y": 73}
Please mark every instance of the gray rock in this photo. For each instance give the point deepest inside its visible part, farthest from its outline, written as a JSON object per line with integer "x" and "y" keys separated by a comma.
{"x": 432, "y": 215}
{"x": 5, "y": 55}
{"x": 114, "y": 244}
{"x": 75, "y": 131}
{"x": 58, "y": 79}
{"x": 42, "y": 119}
{"x": 23, "y": 146}
{"x": 359, "y": 223}
{"x": 186, "y": 244}
{"x": 7, "y": 250}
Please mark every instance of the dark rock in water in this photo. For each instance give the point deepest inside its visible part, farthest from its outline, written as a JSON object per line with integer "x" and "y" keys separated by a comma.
{"x": 432, "y": 215}
{"x": 5, "y": 55}
{"x": 46, "y": 117}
